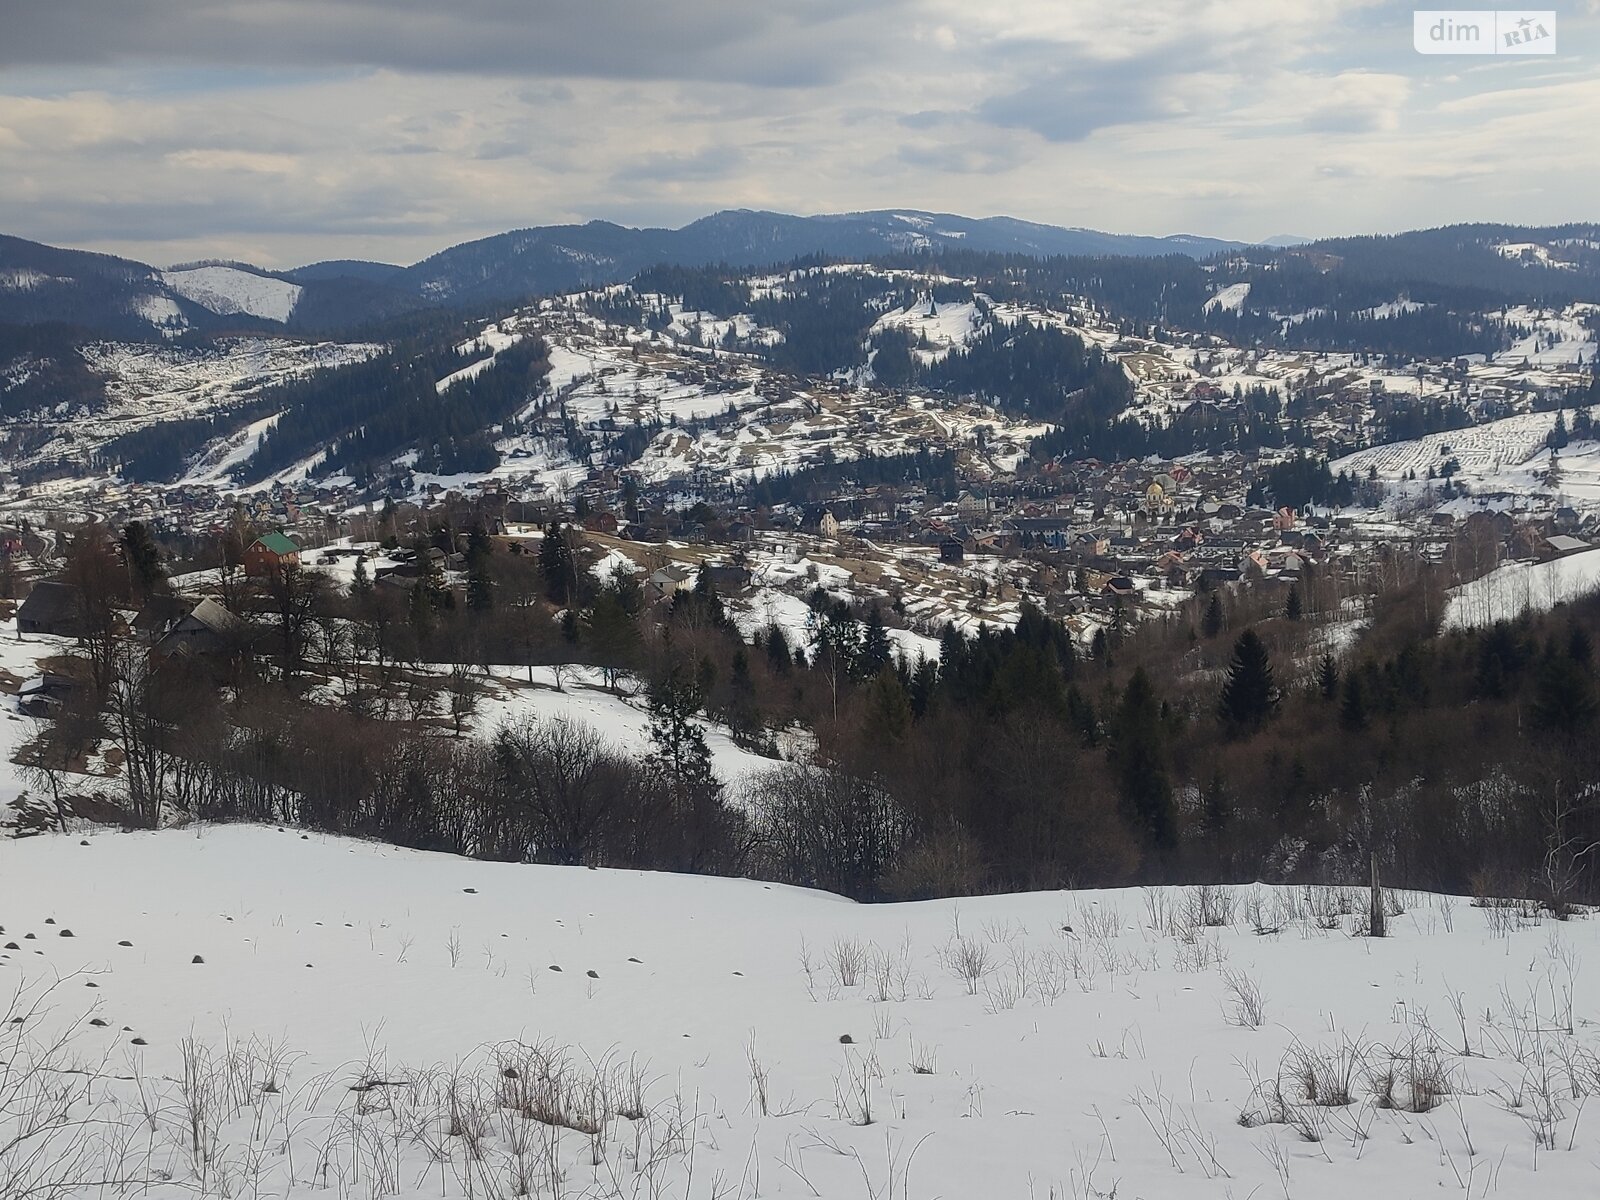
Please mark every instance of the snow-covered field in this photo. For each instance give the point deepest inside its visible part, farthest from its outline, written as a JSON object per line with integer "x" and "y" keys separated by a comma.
{"x": 1557, "y": 338}
{"x": 944, "y": 326}
{"x": 147, "y": 384}
{"x": 229, "y": 290}
{"x": 1230, "y": 298}
{"x": 1484, "y": 451}
{"x": 246, "y": 1012}
{"x": 1510, "y": 590}
{"x": 493, "y": 339}
{"x": 215, "y": 465}
{"x": 623, "y": 720}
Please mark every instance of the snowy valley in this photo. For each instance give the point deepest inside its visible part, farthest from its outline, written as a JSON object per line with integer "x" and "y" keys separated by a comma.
{"x": 249, "y": 1012}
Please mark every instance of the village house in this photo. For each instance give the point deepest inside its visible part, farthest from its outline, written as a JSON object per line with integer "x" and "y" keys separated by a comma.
{"x": 208, "y": 629}
{"x": 664, "y": 583}
{"x": 729, "y": 578}
{"x": 1559, "y": 546}
{"x": 46, "y": 695}
{"x": 269, "y": 554}
{"x": 159, "y": 614}
{"x": 52, "y": 608}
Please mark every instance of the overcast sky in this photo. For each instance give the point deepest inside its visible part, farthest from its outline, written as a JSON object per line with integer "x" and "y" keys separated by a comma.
{"x": 284, "y": 131}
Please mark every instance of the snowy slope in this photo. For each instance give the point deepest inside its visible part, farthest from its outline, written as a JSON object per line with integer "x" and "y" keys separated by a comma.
{"x": 215, "y": 467}
{"x": 1557, "y": 338}
{"x": 1229, "y": 299}
{"x": 1508, "y": 591}
{"x": 1483, "y": 451}
{"x": 579, "y": 694}
{"x": 229, "y": 290}
{"x": 162, "y": 312}
{"x": 493, "y": 339}
{"x": 663, "y": 1036}
{"x": 945, "y": 326}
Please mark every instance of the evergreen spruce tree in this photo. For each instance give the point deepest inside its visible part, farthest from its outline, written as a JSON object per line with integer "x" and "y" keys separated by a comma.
{"x": 888, "y": 708}
{"x": 1353, "y": 710}
{"x": 707, "y": 599}
{"x": 1557, "y": 438}
{"x": 924, "y": 687}
{"x": 613, "y": 636}
{"x": 1216, "y": 808}
{"x": 876, "y": 653}
{"x": 420, "y": 610}
{"x": 1138, "y": 755}
{"x": 144, "y": 560}
{"x": 778, "y": 654}
{"x": 1080, "y": 711}
{"x": 739, "y": 672}
{"x": 1579, "y": 648}
{"x": 681, "y": 762}
{"x": 743, "y": 713}
{"x": 480, "y": 585}
{"x": 1292, "y": 609}
{"x": 1564, "y": 700}
{"x": 556, "y": 564}
{"x": 1328, "y": 677}
{"x": 1211, "y": 623}
{"x": 677, "y": 743}
{"x": 1249, "y": 695}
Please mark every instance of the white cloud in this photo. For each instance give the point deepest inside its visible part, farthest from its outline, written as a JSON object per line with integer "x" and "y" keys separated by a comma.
{"x": 1236, "y": 119}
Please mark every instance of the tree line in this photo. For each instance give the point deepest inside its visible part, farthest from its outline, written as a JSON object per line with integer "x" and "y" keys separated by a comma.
{"x": 1229, "y": 741}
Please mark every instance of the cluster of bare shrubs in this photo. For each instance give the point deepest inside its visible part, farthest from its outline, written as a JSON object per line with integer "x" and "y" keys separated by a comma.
{"x": 1314, "y": 1082}
{"x": 513, "y": 1120}
{"x": 827, "y": 829}
{"x": 997, "y": 963}
{"x": 542, "y": 791}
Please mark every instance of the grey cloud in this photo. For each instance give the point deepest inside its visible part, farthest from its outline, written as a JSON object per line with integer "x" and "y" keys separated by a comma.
{"x": 504, "y": 148}
{"x": 929, "y": 118}
{"x": 709, "y": 163}
{"x": 1345, "y": 120}
{"x": 800, "y": 43}
{"x": 1068, "y": 103}
{"x": 961, "y": 158}
{"x": 542, "y": 94}
{"x": 76, "y": 220}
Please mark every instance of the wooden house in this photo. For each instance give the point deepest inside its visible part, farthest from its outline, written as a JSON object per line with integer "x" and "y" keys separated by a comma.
{"x": 269, "y": 554}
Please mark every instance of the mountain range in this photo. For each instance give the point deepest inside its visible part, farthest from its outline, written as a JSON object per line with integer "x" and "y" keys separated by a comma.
{"x": 124, "y": 298}
{"x": 115, "y": 297}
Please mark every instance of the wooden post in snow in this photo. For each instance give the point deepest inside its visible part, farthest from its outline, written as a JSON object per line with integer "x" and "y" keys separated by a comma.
{"x": 1376, "y": 920}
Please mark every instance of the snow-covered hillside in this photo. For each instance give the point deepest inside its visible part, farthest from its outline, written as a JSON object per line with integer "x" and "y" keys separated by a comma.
{"x": 146, "y": 384}
{"x": 1483, "y": 451}
{"x": 493, "y": 340}
{"x": 1555, "y": 338}
{"x": 1518, "y": 587}
{"x": 162, "y": 312}
{"x": 945, "y": 327}
{"x": 229, "y": 290}
{"x": 1229, "y": 299}
{"x": 248, "y": 1012}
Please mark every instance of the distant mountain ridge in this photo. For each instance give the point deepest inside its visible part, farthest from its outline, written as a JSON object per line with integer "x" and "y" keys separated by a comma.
{"x": 123, "y": 298}
{"x": 114, "y": 297}
{"x": 561, "y": 257}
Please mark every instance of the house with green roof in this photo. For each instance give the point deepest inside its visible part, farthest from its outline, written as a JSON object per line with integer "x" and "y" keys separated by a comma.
{"x": 269, "y": 554}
